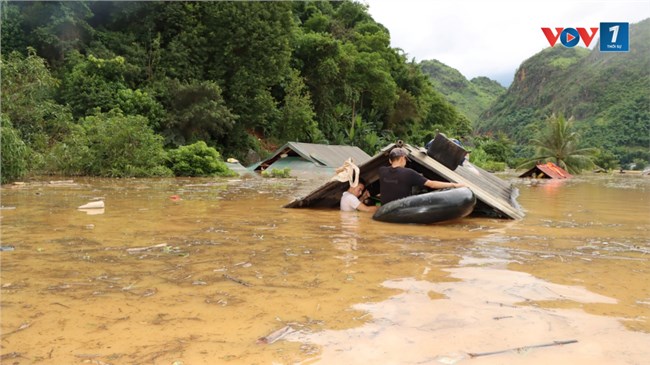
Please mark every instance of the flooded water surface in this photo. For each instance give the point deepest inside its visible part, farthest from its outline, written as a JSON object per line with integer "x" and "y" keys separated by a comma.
{"x": 204, "y": 271}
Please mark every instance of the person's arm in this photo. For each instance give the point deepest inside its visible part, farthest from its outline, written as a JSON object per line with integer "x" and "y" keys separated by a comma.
{"x": 365, "y": 208}
{"x": 433, "y": 184}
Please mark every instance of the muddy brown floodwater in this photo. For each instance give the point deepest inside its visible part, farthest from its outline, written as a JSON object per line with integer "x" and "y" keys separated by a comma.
{"x": 204, "y": 271}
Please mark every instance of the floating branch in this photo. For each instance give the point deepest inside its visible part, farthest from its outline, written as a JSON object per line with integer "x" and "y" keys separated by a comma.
{"x": 238, "y": 281}
{"x": 521, "y": 349}
{"x": 141, "y": 249}
{"x": 275, "y": 335}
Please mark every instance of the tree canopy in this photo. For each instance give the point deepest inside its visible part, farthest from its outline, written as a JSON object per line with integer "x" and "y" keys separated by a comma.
{"x": 559, "y": 143}
{"x": 237, "y": 75}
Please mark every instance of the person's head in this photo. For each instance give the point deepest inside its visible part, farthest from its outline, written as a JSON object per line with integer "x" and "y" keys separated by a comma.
{"x": 398, "y": 156}
{"x": 358, "y": 190}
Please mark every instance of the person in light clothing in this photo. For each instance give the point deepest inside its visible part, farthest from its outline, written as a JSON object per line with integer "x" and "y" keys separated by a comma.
{"x": 352, "y": 199}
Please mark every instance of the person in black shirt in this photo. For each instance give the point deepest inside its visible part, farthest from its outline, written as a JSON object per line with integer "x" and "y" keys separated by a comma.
{"x": 397, "y": 180}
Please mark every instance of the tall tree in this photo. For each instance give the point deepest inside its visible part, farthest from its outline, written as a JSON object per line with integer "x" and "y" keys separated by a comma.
{"x": 297, "y": 122}
{"x": 558, "y": 143}
{"x": 93, "y": 83}
{"x": 196, "y": 111}
{"x": 28, "y": 90}
{"x": 13, "y": 152}
{"x": 12, "y": 35}
{"x": 249, "y": 52}
{"x": 55, "y": 27}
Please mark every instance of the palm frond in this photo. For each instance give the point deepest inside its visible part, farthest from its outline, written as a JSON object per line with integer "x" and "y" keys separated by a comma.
{"x": 558, "y": 143}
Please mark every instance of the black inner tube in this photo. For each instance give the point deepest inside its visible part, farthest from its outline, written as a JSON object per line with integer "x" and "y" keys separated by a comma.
{"x": 427, "y": 208}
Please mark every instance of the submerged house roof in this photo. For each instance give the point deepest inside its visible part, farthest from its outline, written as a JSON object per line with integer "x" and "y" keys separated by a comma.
{"x": 495, "y": 197}
{"x": 547, "y": 170}
{"x": 300, "y": 156}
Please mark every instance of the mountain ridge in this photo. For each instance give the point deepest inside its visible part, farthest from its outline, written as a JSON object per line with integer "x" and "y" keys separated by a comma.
{"x": 608, "y": 94}
{"x": 470, "y": 97}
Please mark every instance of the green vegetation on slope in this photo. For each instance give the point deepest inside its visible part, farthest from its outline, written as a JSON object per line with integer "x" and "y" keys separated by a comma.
{"x": 471, "y": 97}
{"x": 608, "y": 95}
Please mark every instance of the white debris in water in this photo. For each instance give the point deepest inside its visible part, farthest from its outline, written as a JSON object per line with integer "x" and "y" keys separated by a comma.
{"x": 451, "y": 359}
{"x": 93, "y": 205}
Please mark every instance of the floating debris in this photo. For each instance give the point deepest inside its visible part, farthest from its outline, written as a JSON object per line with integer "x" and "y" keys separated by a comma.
{"x": 501, "y": 317}
{"x": 23, "y": 326}
{"x": 11, "y": 355}
{"x": 93, "y": 205}
{"x": 451, "y": 359}
{"x": 92, "y": 211}
{"x": 236, "y": 280}
{"x": 275, "y": 335}
{"x": 61, "y": 182}
{"x": 142, "y": 249}
{"x": 243, "y": 264}
{"x": 521, "y": 349}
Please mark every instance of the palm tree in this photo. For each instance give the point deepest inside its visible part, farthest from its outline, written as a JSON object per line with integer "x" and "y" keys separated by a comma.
{"x": 558, "y": 143}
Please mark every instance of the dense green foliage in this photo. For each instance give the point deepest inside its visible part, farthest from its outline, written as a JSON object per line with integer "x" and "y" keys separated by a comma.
{"x": 195, "y": 111}
{"x": 277, "y": 173}
{"x": 113, "y": 145}
{"x": 197, "y": 159}
{"x": 608, "y": 95}
{"x": 28, "y": 102}
{"x": 481, "y": 159}
{"x": 492, "y": 153}
{"x": 14, "y": 153}
{"x": 80, "y": 79}
{"x": 237, "y": 75}
{"x": 471, "y": 97}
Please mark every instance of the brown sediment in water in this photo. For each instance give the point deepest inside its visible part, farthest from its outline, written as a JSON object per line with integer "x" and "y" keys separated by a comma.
{"x": 201, "y": 278}
{"x": 410, "y": 328}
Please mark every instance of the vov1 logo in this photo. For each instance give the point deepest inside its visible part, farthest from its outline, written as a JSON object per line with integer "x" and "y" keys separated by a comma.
{"x": 614, "y": 37}
{"x": 570, "y": 37}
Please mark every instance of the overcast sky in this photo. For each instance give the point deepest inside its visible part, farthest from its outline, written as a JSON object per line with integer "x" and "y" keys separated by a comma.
{"x": 491, "y": 38}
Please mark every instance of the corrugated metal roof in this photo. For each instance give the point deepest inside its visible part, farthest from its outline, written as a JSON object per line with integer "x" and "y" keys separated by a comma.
{"x": 297, "y": 163}
{"x": 554, "y": 171}
{"x": 322, "y": 155}
{"x": 495, "y": 196}
{"x": 547, "y": 170}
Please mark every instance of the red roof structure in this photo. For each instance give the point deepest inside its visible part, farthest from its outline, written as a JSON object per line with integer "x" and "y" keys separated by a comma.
{"x": 547, "y": 170}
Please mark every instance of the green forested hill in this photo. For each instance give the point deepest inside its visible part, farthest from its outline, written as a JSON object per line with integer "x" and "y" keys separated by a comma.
{"x": 471, "y": 97}
{"x": 240, "y": 76}
{"x": 608, "y": 95}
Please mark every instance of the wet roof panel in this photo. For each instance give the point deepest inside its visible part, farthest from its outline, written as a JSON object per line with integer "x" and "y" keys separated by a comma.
{"x": 547, "y": 170}
{"x": 492, "y": 193}
{"x": 321, "y": 155}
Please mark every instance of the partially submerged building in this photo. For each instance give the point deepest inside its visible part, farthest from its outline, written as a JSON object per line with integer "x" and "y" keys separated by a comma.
{"x": 547, "y": 170}
{"x": 311, "y": 157}
{"x": 495, "y": 197}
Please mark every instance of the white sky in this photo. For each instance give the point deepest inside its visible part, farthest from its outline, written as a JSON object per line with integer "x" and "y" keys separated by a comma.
{"x": 491, "y": 38}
